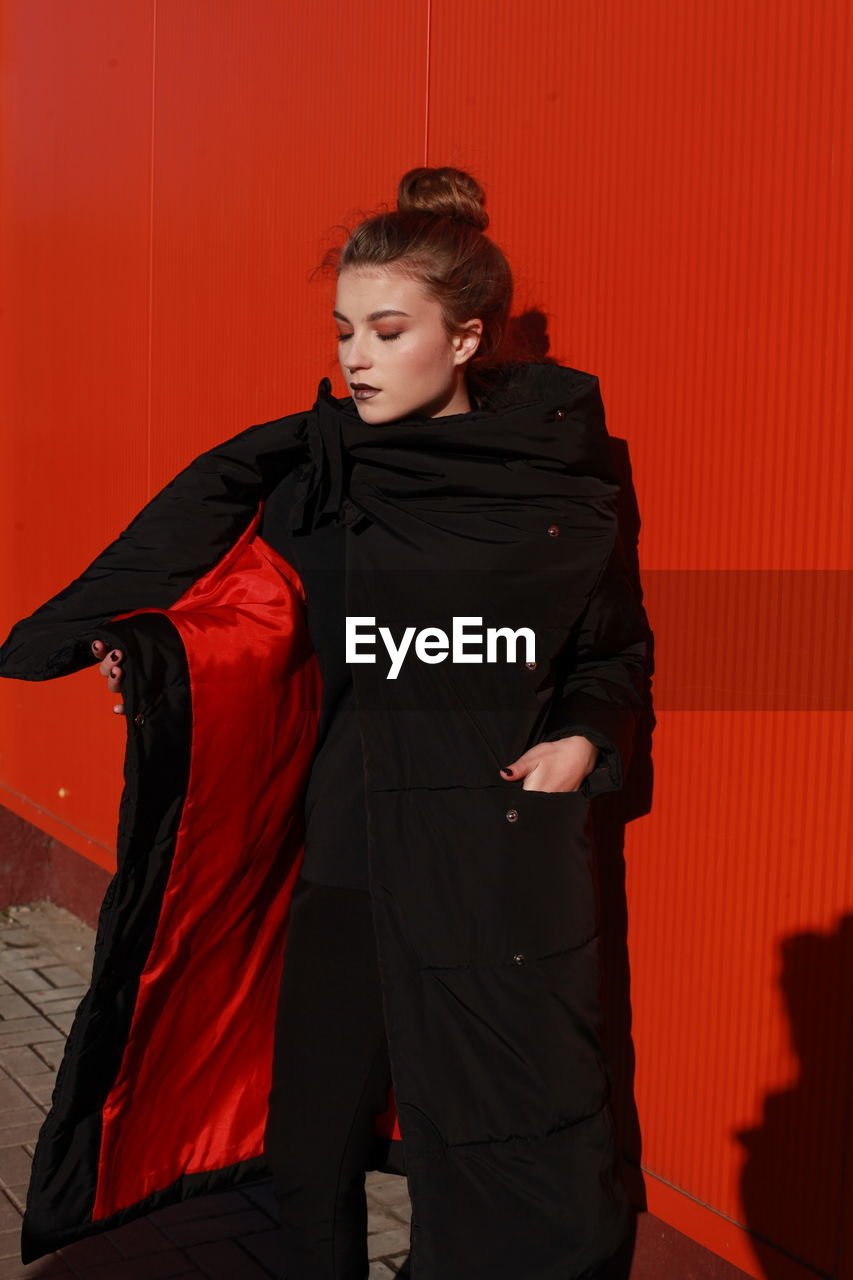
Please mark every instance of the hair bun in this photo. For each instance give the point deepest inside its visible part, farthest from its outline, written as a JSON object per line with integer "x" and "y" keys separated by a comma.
{"x": 445, "y": 193}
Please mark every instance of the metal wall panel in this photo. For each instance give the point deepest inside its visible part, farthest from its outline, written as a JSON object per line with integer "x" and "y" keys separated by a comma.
{"x": 75, "y": 193}
{"x": 672, "y": 184}
{"x": 274, "y": 122}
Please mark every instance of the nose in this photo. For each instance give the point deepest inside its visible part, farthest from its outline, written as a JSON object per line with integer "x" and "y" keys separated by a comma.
{"x": 355, "y": 359}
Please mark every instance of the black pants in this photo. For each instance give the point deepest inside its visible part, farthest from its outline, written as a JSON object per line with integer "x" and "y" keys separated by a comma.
{"x": 331, "y": 1076}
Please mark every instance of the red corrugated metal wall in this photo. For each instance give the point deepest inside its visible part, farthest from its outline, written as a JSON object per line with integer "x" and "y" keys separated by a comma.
{"x": 672, "y": 183}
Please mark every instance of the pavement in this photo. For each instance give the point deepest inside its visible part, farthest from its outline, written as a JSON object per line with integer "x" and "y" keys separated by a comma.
{"x": 45, "y": 966}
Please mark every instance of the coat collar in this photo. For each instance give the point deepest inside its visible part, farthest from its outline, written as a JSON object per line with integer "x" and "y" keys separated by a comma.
{"x": 544, "y": 414}
{"x": 508, "y": 388}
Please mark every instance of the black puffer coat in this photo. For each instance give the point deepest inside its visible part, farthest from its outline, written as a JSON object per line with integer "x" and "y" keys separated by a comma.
{"x": 482, "y": 892}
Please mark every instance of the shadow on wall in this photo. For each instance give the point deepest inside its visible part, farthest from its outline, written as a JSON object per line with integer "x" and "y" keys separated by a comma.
{"x": 797, "y": 1180}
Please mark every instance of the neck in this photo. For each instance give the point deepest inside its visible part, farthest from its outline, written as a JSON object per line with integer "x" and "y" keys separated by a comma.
{"x": 458, "y": 402}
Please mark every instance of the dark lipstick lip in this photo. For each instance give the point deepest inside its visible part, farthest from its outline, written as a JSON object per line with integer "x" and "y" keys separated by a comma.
{"x": 362, "y": 386}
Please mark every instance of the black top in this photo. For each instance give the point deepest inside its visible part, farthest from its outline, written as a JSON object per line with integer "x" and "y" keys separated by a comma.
{"x": 335, "y": 805}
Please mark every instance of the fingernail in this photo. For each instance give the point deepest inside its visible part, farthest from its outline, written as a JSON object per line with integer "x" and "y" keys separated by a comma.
{"x": 114, "y": 655}
{"x": 507, "y": 768}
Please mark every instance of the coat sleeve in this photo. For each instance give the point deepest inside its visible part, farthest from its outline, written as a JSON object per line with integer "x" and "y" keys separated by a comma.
{"x": 178, "y": 536}
{"x": 601, "y": 688}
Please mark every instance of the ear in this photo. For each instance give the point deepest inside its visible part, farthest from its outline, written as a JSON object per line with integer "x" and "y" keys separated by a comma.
{"x": 465, "y": 344}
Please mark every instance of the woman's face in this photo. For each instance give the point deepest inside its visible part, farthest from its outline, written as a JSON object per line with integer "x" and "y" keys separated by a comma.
{"x": 390, "y": 337}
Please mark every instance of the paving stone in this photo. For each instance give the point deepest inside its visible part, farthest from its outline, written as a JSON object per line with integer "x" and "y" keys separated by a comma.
{"x": 61, "y": 1020}
{"x": 58, "y": 975}
{"x": 403, "y": 1214}
{"x": 40, "y": 1089}
{"x": 49, "y": 995}
{"x": 10, "y": 1244}
{"x": 227, "y": 1260}
{"x": 30, "y": 1035}
{"x": 17, "y": 1192}
{"x": 396, "y": 1191}
{"x": 14, "y": 1005}
{"x": 52, "y": 1007}
{"x": 33, "y": 1020}
{"x": 20, "y": 1134}
{"x": 13, "y": 962}
{"x": 24, "y": 980}
{"x": 379, "y": 1220}
{"x": 50, "y": 1267}
{"x": 21, "y": 1115}
{"x": 10, "y": 1215}
{"x": 221, "y": 1227}
{"x": 40, "y": 1072}
{"x": 393, "y": 1200}
{"x": 50, "y": 1052}
{"x": 29, "y": 1080}
{"x": 49, "y": 923}
{"x": 384, "y": 1243}
{"x": 22, "y": 1061}
{"x": 14, "y": 1166}
{"x": 12, "y": 1096}
{"x": 379, "y": 1271}
{"x": 396, "y": 1263}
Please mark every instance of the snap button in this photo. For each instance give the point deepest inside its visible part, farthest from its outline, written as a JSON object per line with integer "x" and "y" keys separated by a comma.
{"x": 512, "y": 815}
{"x": 139, "y": 718}
{"x": 553, "y": 530}
{"x": 561, "y": 413}
{"x": 519, "y": 958}
{"x": 531, "y": 666}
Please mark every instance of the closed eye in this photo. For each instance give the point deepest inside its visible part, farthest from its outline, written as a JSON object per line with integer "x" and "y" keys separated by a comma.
{"x": 383, "y": 337}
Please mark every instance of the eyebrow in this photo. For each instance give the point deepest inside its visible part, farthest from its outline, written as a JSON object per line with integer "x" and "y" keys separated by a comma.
{"x": 374, "y": 315}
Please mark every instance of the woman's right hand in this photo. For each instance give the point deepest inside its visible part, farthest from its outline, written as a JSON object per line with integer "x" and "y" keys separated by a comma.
{"x": 111, "y": 668}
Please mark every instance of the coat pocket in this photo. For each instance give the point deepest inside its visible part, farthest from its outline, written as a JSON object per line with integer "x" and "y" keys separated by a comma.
{"x": 485, "y": 875}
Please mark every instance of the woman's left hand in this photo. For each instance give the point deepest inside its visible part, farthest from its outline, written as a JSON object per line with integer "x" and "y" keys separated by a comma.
{"x": 554, "y": 766}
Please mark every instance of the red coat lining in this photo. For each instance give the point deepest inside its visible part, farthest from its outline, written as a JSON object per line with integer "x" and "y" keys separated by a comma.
{"x": 197, "y": 1063}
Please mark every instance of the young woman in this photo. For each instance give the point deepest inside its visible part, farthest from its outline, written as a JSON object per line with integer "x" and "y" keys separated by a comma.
{"x": 441, "y": 930}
